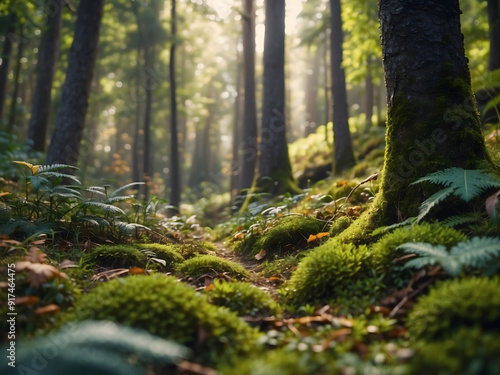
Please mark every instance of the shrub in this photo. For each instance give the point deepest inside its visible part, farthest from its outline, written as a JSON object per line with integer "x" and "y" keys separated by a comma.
{"x": 202, "y": 264}
{"x": 471, "y": 302}
{"x": 116, "y": 256}
{"x": 243, "y": 299}
{"x": 171, "y": 310}
{"x": 469, "y": 351}
{"x": 327, "y": 270}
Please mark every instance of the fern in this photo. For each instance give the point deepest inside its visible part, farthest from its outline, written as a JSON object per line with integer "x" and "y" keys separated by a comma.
{"x": 104, "y": 206}
{"x": 55, "y": 167}
{"x": 433, "y": 201}
{"x": 125, "y": 187}
{"x": 453, "y": 221}
{"x": 476, "y": 252}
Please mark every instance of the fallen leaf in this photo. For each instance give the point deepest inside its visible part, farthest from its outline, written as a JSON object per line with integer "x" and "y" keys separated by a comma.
{"x": 274, "y": 278}
{"x": 239, "y": 236}
{"x": 27, "y": 300}
{"x": 35, "y": 255}
{"x": 260, "y": 255}
{"x": 39, "y": 242}
{"x": 314, "y": 237}
{"x": 137, "y": 271}
{"x": 8, "y": 242}
{"x": 40, "y": 273}
{"x": 4, "y": 193}
{"x": 238, "y": 228}
{"x": 66, "y": 263}
{"x": 491, "y": 203}
{"x": 47, "y": 309}
{"x": 311, "y": 238}
{"x": 209, "y": 287}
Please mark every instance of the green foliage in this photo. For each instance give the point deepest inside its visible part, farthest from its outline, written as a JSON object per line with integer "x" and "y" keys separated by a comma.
{"x": 171, "y": 310}
{"x": 243, "y": 299}
{"x": 476, "y": 253}
{"x": 208, "y": 264}
{"x": 385, "y": 249}
{"x": 471, "y": 302}
{"x": 465, "y": 184}
{"x": 291, "y": 230}
{"x": 468, "y": 351}
{"x": 166, "y": 255}
{"x": 327, "y": 270}
{"x": 102, "y": 348}
{"x": 116, "y": 256}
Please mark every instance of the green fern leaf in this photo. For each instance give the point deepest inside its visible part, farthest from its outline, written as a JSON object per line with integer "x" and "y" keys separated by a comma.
{"x": 125, "y": 187}
{"x": 56, "y": 175}
{"x": 120, "y": 198}
{"x": 477, "y": 251}
{"x": 424, "y": 249}
{"x": 432, "y": 201}
{"x": 54, "y": 167}
{"x": 453, "y": 221}
{"x": 106, "y": 207}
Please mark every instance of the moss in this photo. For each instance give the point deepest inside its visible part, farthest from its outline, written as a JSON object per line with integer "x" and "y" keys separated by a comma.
{"x": 192, "y": 249}
{"x": 472, "y": 302}
{"x": 172, "y": 310}
{"x": 243, "y": 299}
{"x": 326, "y": 271}
{"x": 116, "y": 256}
{"x": 203, "y": 264}
{"x": 384, "y": 250}
{"x": 468, "y": 352}
{"x": 290, "y": 230}
{"x": 169, "y": 253}
{"x": 340, "y": 224}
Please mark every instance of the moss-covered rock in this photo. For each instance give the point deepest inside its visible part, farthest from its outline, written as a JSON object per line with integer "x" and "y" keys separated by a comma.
{"x": 330, "y": 270}
{"x": 290, "y": 230}
{"x": 200, "y": 265}
{"x": 471, "y": 302}
{"x": 167, "y": 308}
{"x": 468, "y": 351}
{"x": 243, "y": 299}
{"x": 116, "y": 256}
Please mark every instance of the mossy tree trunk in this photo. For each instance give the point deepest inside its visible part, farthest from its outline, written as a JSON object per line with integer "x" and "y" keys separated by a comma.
{"x": 432, "y": 121}
{"x": 274, "y": 162}
{"x": 494, "y": 22}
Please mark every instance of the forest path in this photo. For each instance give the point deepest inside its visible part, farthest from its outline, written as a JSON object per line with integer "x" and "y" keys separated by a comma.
{"x": 252, "y": 266}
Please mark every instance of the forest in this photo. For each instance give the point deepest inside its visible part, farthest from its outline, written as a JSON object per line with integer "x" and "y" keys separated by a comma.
{"x": 250, "y": 187}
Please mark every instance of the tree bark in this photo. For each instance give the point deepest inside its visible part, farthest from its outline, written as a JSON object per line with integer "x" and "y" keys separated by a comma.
{"x": 368, "y": 96}
{"x": 432, "y": 120}
{"x": 136, "y": 172}
{"x": 146, "y": 162}
{"x": 6, "y": 57}
{"x": 312, "y": 94}
{"x": 344, "y": 155}
{"x": 274, "y": 160}
{"x": 235, "y": 180}
{"x": 16, "y": 81}
{"x": 249, "y": 145}
{"x": 494, "y": 22}
{"x": 175, "y": 192}
{"x": 48, "y": 52}
{"x": 70, "y": 121}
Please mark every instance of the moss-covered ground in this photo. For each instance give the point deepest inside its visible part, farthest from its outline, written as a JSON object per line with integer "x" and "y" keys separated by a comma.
{"x": 300, "y": 284}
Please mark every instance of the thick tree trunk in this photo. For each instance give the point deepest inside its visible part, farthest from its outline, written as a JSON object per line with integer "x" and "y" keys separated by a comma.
{"x": 274, "y": 160}
{"x": 70, "y": 121}
{"x": 146, "y": 162}
{"x": 344, "y": 155}
{"x": 6, "y": 57}
{"x": 494, "y": 22}
{"x": 16, "y": 82}
{"x": 312, "y": 94}
{"x": 175, "y": 180}
{"x": 249, "y": 146}
{"x": 432, "y": 117}
{"x": 48, "y": 51}
{"x": 326, "y": 87}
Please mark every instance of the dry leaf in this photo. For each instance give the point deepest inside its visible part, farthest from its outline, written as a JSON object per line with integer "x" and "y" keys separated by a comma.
{"x": 39, "y": 242}
{"x": 209, "y": 287}
{"x": 274, "y": 278}
{"x": 8, "y": 242}
{"x": 260, "y": 255}
{"x": 66, "y": 263}
{"x": 137, "y": 271}
{"x": 27, "y": 300}
{"x": 313, "y": 237}
{"x": 40, "y": 273}
{"x": 35, "y": 255}
{"x": 239, "y": 236}
{"x": 47, "y": 309}
{"x": 4, "y": 193}
{"x": 23, "y": 265}
{"x": 491, "y": 203}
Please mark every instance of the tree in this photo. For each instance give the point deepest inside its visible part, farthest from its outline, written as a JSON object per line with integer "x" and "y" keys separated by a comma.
{"x": 274, "y": 161}
{"x": 175, "y": 179}
{"x": 249, "y": 112}
{"x": 49, "y": 47}
{"x": 6, "y": 56}
{"x": 494, "y": 22}
{"x": 70, "y": 120}
{"x": 344, "y": 155}
{"x": 432, "y": 119}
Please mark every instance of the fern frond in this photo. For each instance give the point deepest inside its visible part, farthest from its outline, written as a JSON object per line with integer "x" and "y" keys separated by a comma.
{"x": 59, "y": 175}
{"x": 106, "y": 207}
{"x": 453, "y": 221}
{"x": 93, "y": 220}
{"x": 432, "y": 201}
{"x": 424, "y": 249}
{"x": 477, "y": 251}
{"x": 119, "y": 198}
{"x": 128, "y": 228}
{"x": 407, "y": 222}
{"x": 55, "y": 167}
{"x": 125, "y": 187}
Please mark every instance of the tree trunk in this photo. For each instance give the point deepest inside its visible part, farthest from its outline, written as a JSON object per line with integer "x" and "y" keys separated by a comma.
{"x": 175, "y": 180}
{"x": 494, "y": 22}
{"x": 70, "y": 121}
{"x": 136, "y": 172}
{"x": 250, "y": 112}
{"x": 274, "y": 160}
{"x": 368, "y": 96}
{"x": 17, "y": 74}
{"x": 312, "y": 94}
{"x": 6, "y": 57}
{"x": 235, "y": 181}
{"x": 344, "y": 156}
{"x": 326, "y": 87}
{"x": 432, "y": 119}
{"x": 146, "y": 163}
{"x": 48, "y": 51}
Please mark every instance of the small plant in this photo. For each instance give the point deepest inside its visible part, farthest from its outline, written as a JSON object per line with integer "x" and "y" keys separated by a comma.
{"x": 213, "y": 265}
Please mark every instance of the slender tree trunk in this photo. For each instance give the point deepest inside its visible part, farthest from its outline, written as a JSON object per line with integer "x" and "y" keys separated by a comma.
{"x": 274, "y": 161}
{"x": 48, "y": 51}
{"x": 312, "y": 94}
{"x": 175, "y": 180}
{"x": 17, "y": 76}
{"x": 6, "y": 57}
{"x": 326, "y": 87}
{"x": 432, "y": 117}
{"x": 70, "y": 121}
{"x": 369, "y": 95}
{"x": 494, "y": 22}
{"x": 235, "y": 180}
{"x": 250, "y": 111}
{"x": 344, "y": 155}
{"x": 136, "y": 172}
{"x": 146, "y": 166}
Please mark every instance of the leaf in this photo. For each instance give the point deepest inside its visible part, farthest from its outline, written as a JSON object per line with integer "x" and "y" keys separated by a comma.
{"x": 239, "y": 236}
{"x": 35, "y": 255}
{"x": 209, "y": 287}
{"x": 260, "y": 255}
{"x": 47, "y": 309}
{"x": 314, "y": 237}
{"x": 477, "y": 251}
{"x": 491, "y": 204}
{"x": 32, "y": 167}
{"x": 432, "y": 201}
{"x": 104, "y": 206}
{"x": 27, "y": 300}
{"x": 424, "y": 249}
{"x": 137, "y": 271}
{"x": 275, "y": 278}
{"x": 125, "y": 187}
{"x": 3, "y": 193}
{"x": 408, "y": 221}
{"x": 311, "y": 238}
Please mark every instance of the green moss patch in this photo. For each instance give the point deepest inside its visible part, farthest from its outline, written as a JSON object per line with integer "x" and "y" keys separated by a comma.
{"x": 243, "y": 299}
{"x": 207, "y": 264}
{"x": 172, "y": 310}
{"x": 118, "y": 256}
{"x": 169, "y": 253}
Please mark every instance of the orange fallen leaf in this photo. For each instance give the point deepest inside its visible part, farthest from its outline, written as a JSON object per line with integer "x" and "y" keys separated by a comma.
{"x": 311, "y": 238}
{"x": 209, "y": 287}
{"x": 239, "y": 236}
{"x": 137, "y": 271}
{"x": 274, "y": 278}
{"x": 4, "y": 193}
{"x": 314, "y": 237}
{"x": 27, "y": 300}
{"x": 260, "y": 255}
{"x": 47, "y": 309}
